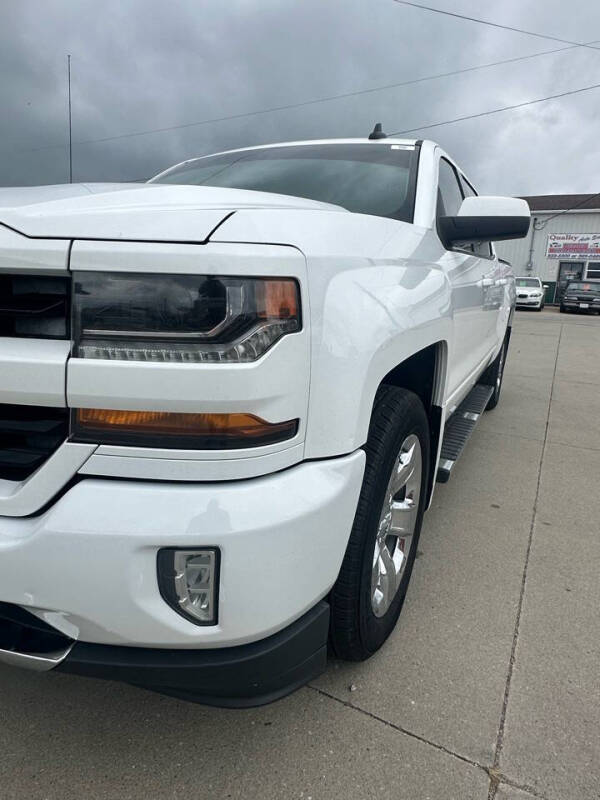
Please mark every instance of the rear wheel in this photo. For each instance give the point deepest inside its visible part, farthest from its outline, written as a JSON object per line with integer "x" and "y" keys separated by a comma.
{"x": 369, "y": 593}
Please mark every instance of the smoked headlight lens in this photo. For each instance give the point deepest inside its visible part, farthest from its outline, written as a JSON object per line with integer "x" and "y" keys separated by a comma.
{"x": 181, "y": 318}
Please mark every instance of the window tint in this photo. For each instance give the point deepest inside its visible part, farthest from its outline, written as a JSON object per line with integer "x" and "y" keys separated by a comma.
{"x": 449, "y": 193}
{"x": 583, "y": 286}
{"x": 371, "y": 178}
{"x": 529, "y": 283}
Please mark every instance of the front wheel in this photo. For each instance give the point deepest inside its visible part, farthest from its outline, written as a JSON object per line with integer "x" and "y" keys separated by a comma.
{"x": 370, "y": 590}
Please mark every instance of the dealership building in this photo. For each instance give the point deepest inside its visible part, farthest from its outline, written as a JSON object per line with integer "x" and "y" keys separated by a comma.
{"x": 563, "y": 242}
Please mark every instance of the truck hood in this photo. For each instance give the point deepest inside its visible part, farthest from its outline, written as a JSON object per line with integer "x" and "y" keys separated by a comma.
{"x": 132, "y": 211}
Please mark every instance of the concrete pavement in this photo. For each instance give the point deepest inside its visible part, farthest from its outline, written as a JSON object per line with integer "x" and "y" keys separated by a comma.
{"x": 488, "y": 688}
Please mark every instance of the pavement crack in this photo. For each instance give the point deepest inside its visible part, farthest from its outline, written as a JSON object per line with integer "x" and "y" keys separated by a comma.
{"x": 494, "y": 772}
{"x": 505, "y": 434}
{"x": 401, "y": 729}
{"x": 522, "y": 787}
{"x": 574, "y": 446}
{"x": 495, "y": 775}
{"x": 573, "y": 382}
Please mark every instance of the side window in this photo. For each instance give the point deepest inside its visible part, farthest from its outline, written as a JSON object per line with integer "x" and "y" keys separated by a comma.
{"x": 484, "y": 248}
{"x": 449, "y": 196}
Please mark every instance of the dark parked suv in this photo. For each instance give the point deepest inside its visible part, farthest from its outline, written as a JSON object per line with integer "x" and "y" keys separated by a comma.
{"x": 581, "y": 296}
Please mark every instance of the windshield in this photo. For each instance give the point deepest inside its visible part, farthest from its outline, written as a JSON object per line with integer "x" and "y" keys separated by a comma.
{"x": 369, "y": 178}
{"x": 582, "y": 286}
{"x": 529, "y": 282}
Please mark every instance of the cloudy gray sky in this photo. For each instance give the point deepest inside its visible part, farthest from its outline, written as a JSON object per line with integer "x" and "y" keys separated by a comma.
{"x": 147, "y": 64}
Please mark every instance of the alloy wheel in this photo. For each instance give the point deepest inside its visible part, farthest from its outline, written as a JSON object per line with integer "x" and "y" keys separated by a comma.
{"x": 397, "y": 525}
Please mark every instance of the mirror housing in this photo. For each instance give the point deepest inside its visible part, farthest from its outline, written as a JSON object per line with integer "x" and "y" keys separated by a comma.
{"x": 486, "y": 219}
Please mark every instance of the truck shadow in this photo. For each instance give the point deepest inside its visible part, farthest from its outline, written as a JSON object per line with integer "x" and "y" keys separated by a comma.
{"x": 63, "y": 736}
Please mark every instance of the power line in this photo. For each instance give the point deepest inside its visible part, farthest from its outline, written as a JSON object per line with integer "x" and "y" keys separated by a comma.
{"x": 494, "y": 24}
{"x": 542, "y": 223}
{"x": 495, "y": 110}
{"x": 311, "y": 102}
{"x": 489, "y": 113}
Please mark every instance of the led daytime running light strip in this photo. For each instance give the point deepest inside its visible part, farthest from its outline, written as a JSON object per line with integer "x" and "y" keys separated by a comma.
{"x": 248, "y": 348}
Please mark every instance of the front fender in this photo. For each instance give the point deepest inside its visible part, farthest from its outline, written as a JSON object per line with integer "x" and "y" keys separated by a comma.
{"x": 366, "y": 321}
{"x": 377, "y": 295}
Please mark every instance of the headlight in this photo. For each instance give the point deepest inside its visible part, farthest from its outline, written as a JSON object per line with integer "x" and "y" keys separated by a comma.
{"x": 181, "y": 318}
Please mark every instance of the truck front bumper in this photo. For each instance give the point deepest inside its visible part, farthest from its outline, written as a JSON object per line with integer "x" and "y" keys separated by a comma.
{"x": 87, "y": 565}
{"x": 581, "y": 305}
{"x": 235, "y": 677}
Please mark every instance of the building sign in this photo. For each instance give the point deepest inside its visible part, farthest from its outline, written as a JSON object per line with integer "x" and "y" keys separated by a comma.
{"x": 573, "y": 246}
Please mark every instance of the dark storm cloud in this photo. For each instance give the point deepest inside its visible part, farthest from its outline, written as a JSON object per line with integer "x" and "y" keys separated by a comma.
{"x": 147, "y": 64}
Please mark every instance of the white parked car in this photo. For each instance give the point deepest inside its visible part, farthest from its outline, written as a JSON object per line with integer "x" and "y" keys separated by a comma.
{"x": 225, "y": 398}
{"x": 531, "y": 293}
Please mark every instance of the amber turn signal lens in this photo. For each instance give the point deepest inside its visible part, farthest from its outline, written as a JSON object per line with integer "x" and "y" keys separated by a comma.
{"x": 173, "y": 429}
{"x": 280, "y": 299}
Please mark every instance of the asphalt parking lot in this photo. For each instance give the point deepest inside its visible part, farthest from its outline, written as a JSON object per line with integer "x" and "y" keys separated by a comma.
{"x": 489, "y": 687}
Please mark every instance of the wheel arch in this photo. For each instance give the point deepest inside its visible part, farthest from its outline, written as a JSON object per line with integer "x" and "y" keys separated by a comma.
{"x": 424, "y": 373}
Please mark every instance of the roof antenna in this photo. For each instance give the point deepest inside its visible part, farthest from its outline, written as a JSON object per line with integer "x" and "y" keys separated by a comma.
{"x": 377, "y": 132}
{"x": 70, "y": 134}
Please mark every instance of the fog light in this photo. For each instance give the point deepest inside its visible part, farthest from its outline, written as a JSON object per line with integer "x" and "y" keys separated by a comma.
{"x": 188, "y": 582}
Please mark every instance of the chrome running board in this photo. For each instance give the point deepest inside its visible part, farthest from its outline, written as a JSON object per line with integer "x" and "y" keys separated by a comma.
{"x": 459, "y": 428}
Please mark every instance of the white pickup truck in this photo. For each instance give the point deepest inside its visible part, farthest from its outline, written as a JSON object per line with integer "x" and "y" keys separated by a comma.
{"x": 225, "y": 397}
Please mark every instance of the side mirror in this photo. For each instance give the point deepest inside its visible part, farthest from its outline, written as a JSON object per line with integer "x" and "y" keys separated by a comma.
{"x": 486, "y": 219}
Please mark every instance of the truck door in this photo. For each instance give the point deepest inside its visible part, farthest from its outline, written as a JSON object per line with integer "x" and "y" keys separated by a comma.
{"x": 471, "y": 278}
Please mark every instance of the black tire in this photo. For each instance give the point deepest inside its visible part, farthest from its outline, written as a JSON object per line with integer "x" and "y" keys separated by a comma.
{"x": 356, "y": 632}
{"x": 562, "y": 309}
{"x": 495, "y": 373}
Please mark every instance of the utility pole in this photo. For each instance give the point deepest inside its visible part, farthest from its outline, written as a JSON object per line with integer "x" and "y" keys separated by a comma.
{"x": 70, "y": 133}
